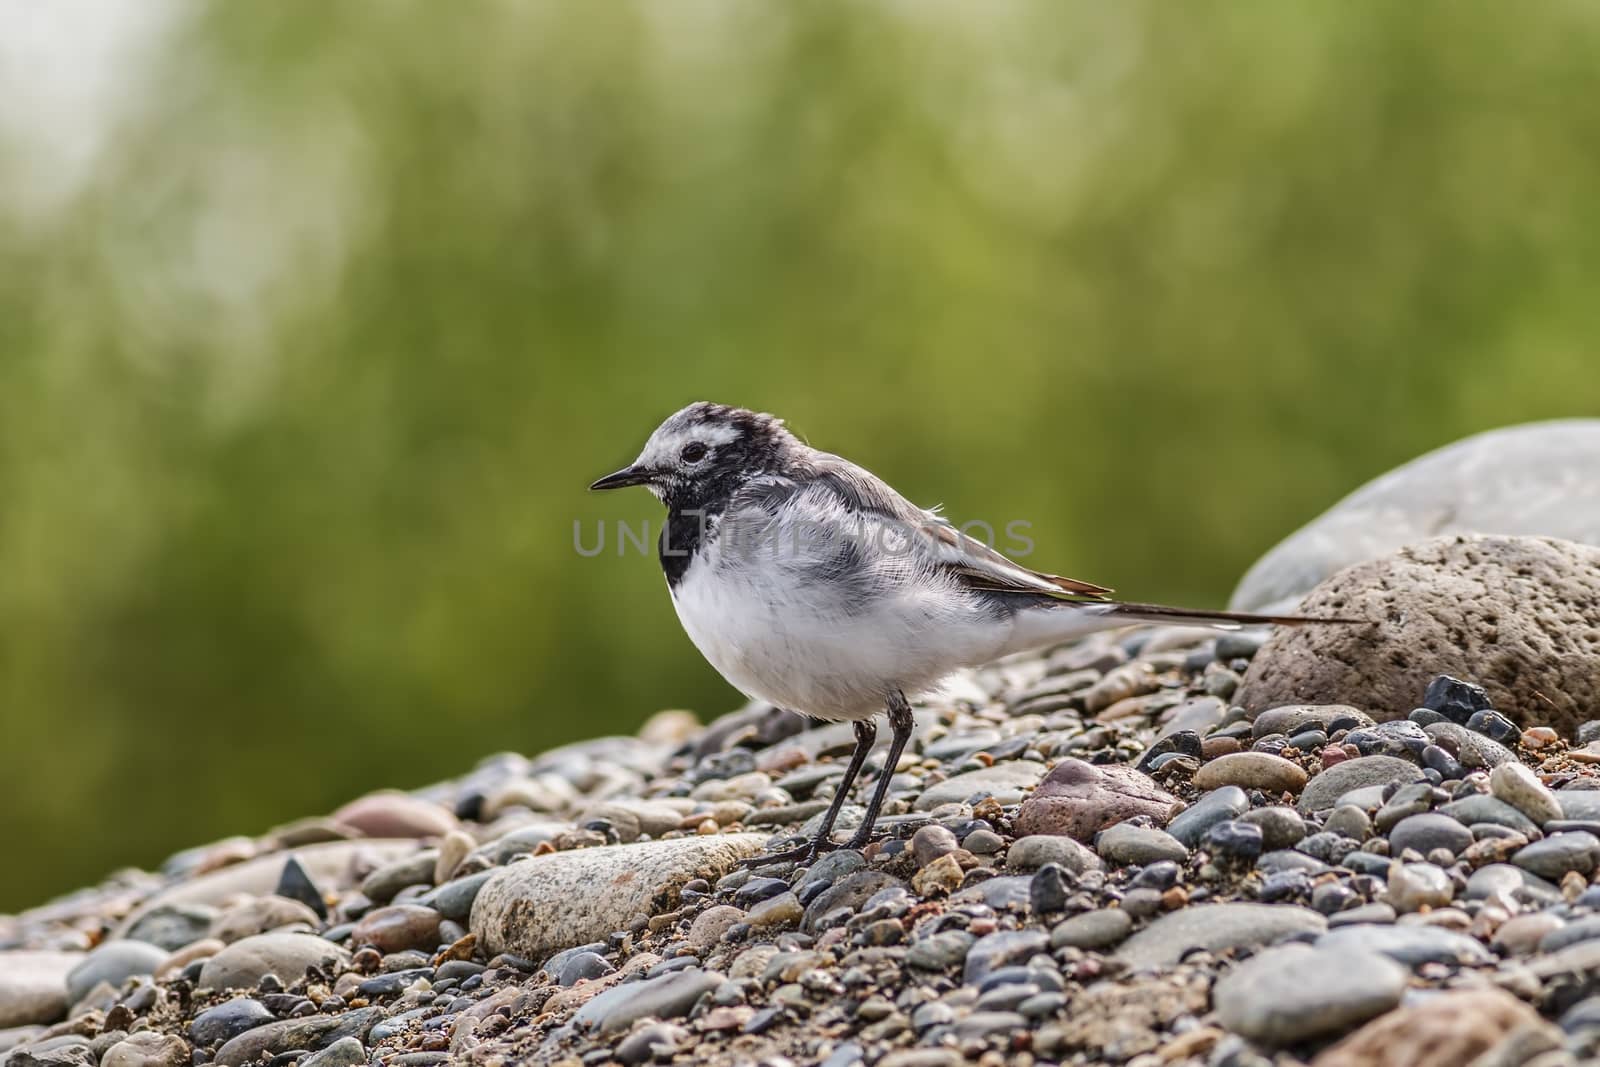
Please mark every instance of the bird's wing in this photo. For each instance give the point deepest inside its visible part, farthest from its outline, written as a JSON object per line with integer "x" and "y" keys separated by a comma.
{"x": 969, "y": 560}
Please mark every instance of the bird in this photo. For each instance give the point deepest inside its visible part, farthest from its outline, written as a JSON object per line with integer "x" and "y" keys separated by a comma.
{"x": 811, "y": 584}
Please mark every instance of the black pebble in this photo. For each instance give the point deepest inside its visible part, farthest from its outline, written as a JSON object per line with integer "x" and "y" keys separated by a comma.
{"x": 1161, "y": 875}
{"x": 1048, "y": 891}
{"x": 1455, "y": 699}
{"x": 1235, "y": 840}
{"x": 1493, "y": 725}
{"x": 296, "y": 884}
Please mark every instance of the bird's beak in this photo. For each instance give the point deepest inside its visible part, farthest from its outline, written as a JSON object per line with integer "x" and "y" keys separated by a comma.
{"x": 634, "y": 475}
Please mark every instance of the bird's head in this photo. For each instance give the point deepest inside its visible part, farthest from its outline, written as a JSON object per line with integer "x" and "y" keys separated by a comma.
{"x": 704, "y": 450}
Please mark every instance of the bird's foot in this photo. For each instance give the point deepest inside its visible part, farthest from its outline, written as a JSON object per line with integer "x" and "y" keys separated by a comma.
{"x": 803, "y": 856}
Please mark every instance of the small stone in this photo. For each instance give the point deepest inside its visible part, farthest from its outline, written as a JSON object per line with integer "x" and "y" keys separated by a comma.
{"x": 932, "y": 841}
{"x": 1128, "y": 845}
{"x": 1347, "y": 820}
{"x": 1219, "y": 805}
{"x": 261, "y": 914}
{"x": 1559, "y": 853}
{"x": 1079, "y": 800}
{"x": 1047, "y": 891}
{"x": 397, "y": 928}
{"x": 1280, "y": 827}
{"x": 1294, "y": 718}
{"x": 1251, "y": 770}
{"x": 942, "y": 876}
{"x": 1092, "y": 930}
{"x": 1235, "y": 840}
{"x": 996, "y": 950}
{"x": 781, "y": 910}
{"x": 668, "y": 996}
{"x": 227, "y": 1021}
{"x": 394, "y": 814}
{"x": 453, "y": 848}
{"x": 1008, "y": 781}
{"x": 1521, "y": 935}
{"x": 1520, "y": 787}
{"x": 113, "y": 963}
{"x": 1295, "y": 993}
{"x": 1414, "y": 886}
{"x": 709, "y": 926}
{"x": 1215, "y": 928}
{"x": 1033, "y": 852}
{"x": 1324, "y": 791}
{"x": 345, "y": 1052}
{"x": 243, "y": 964}
{"x": 147, "y": 1049}
{"x": 1428, "y": 832}
{"x": 1474, "y": 750}
{"x": 1454, "y": 699}
{"x": 295, "y": 884}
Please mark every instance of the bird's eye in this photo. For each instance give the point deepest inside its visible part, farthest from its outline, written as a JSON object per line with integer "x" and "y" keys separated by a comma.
{"x": 693, "y": 452}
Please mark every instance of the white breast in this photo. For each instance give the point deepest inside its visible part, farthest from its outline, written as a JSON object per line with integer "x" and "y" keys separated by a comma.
{"x": 803, "y": 646}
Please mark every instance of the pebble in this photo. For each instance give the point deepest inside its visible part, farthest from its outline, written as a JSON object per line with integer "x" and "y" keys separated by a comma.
{"x": 33, "y": 986}
{"x": 1128, "y": 845}
{"x": 1324, "y": 790}
{"x": 932, "y": 841}
{"x": 228, "y": 1020}
{"x": 1280, "y": 827}
{"x": 1415, "y": 886}
{"x": 1219, "y": 805}
{"x": 1472, "y": 749}
{"x": 147, "y": 1049}
{"x": 1079, "y": 800}
{"x": 1411, "y": 945}
{"x": 1037, "y": 850}
{"x": 113, "y": 962}
{"x": 1347, "y": 820}
{"x": 1521, "y": 789}
{"x": 394, "y": 814}
{"x": 242, "y": 964}
{"x": 1097, "y": 929}
{"x": 669, "y": 996}
{"x": 1424, "y": 833}
{"x": 1251, "y": 770}
{"x": 1295, "y": 993}
{"x": 1216, "y": 928}
{"x": 1008, "y": 782}
{"x": 345, "y": 1052}
{"x": 1294, "y": 718}
{"x": 1560, "y": 853}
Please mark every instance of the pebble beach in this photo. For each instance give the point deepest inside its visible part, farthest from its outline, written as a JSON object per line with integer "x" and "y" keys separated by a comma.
{"x": 1141, "y": 848}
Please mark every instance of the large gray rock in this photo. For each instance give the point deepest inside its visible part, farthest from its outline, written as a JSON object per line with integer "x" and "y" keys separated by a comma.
{"x": 1517, "y": 615}
{"x": 541, "y": 905}
{"x": 33, "y": 986}
{"x": 1535, "y": 479}
{"x": 1216, "y": 928}
{"x": 1326, "y": 788}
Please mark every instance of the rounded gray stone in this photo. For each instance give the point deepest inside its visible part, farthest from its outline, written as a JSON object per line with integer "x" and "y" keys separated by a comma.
{"x": 113, "y": 962}
{"x": 1324, "y": 791}
{"x": 1126, "y": 845}
{"x": 1093, "y": 929}
{"x": 1294, "y": 993}
{"x": 1008, "y": 781}
{"x": 1216, "y": 928}
{"x": 1427, "y": 832}
{"x": 244, "y": 963}
{"x": 1536, "y": 479}
{"x": 543, "y": 904}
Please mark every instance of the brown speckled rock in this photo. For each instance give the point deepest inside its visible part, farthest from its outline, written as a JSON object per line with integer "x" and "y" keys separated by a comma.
{"x": 1518, "y": 615}
{"x": 1445, "y": 1030}
{"x": 1079, "y": 800}
{"x": 541, "y": 905}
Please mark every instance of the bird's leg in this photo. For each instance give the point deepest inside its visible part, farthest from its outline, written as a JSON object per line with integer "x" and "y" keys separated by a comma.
{"x": 900, "y": 722}
{"x": 866, "y": 736}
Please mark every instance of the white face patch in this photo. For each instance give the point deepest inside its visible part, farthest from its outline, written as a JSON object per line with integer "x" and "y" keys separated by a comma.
{"x": 662, "y": 451}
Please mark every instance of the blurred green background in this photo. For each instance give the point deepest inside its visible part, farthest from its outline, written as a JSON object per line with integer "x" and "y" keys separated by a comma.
{"x": 316, "y": 319}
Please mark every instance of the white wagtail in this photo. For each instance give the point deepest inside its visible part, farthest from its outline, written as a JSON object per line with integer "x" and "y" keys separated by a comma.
{"x": 811, "y": 584}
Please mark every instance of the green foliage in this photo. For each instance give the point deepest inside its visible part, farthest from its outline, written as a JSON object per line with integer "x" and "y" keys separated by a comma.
{"x": 299, "y": 393}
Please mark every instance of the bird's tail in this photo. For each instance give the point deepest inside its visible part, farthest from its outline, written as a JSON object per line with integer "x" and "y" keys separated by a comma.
{"x": 1226, "y": 620}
